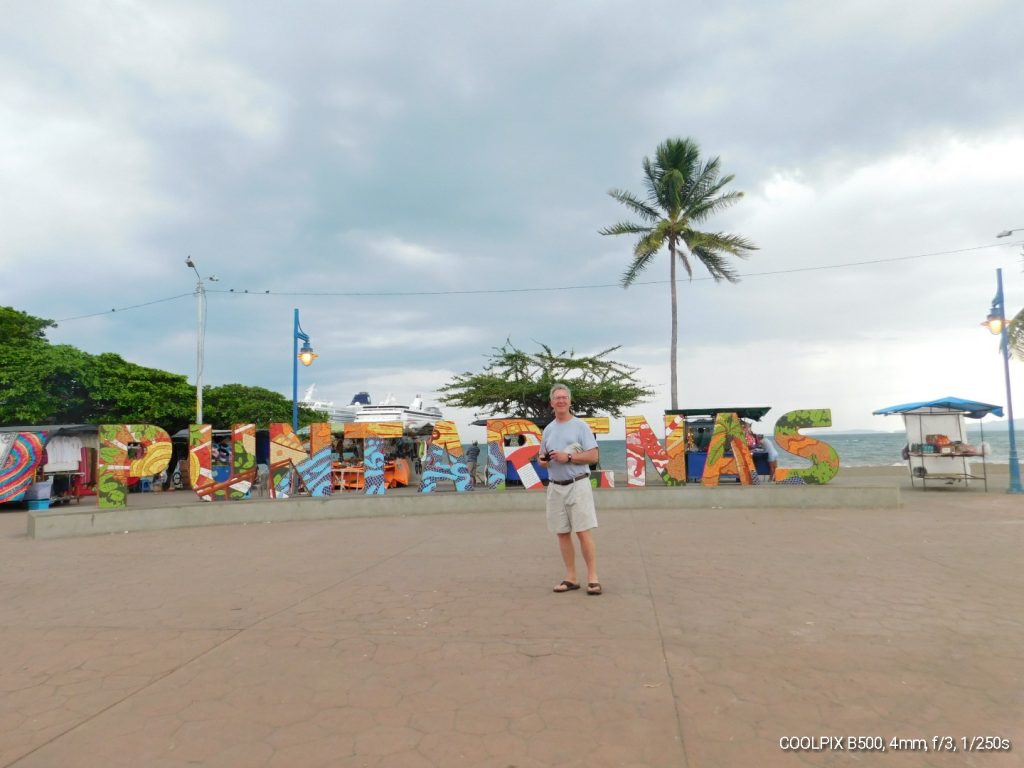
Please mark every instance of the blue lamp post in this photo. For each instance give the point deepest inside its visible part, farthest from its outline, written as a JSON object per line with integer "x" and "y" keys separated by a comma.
{"x": 996, "y": 323}
{"x": 306, "y": 356}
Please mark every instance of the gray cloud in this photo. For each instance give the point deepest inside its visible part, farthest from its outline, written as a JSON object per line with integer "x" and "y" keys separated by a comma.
{"x": 405, "y": 147}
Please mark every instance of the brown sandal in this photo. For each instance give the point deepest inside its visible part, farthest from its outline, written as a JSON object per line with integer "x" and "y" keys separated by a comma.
{"x": 565, "y": 586}
{"x": 594, "y": 588}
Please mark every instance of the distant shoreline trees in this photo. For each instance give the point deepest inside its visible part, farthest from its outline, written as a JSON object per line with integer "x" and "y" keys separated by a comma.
{"x": 43, "y": 383}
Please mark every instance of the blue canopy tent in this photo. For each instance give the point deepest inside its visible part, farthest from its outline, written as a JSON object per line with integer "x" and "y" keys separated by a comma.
{"x": 972, "y": 409}
{"x": 937, "y": 448}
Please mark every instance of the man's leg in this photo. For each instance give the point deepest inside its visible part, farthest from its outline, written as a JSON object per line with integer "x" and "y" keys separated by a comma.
{"x": 589, "y": 549}
{"x": 568, "y": 556}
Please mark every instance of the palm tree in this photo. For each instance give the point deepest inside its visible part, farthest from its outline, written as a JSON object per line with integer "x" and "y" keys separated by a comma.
{"x": 682, "y": 192}
{"x": 1015, "y": 335}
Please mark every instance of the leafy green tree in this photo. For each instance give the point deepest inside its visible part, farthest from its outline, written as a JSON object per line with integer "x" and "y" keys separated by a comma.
{"x": 1015, "y": 335}
{"x": 17, "y": 327}
{"x": 236, "y": 403}
{"x": 517, "y": 383}
{"x": 40, "y": 383}
{"x": 44, "y": 383}
{"x": 682, "y": 193}
{"x": 123, "y": 392}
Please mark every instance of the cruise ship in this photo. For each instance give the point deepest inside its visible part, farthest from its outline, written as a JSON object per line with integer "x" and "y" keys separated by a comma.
{"x": 362, "y": 409}
{"x": 413, "y": 416}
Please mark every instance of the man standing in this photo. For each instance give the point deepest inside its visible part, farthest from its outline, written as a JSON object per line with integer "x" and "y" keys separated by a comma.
{"x": 472, "y": 457}
{"x": 566, "y": 448}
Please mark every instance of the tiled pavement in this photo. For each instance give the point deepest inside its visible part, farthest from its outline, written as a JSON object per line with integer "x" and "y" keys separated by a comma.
{"x": 436, "y": 641}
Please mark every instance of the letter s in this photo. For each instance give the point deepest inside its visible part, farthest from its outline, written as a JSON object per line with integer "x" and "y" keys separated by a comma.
{"x": 823, "y": 457}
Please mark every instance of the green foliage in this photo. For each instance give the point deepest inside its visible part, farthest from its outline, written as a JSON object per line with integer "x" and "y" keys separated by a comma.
{"x": 517, "y": 383}
{"x": 43, "y": 383}
{"x": 121, "y": 392}
{"x": 238, "y": 404}
{"x": 682, "y": 193}
{"x": 38, "y": 380}
{"x": 1015, "y": 335}
{"x": 18, "y": 327}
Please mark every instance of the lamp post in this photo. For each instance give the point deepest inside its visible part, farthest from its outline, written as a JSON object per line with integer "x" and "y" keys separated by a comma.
{"x": 200, "y": 334}
{"x": 996, "y": 323}
{"x": 1008, "y": 232}
{"x": 306, "y": 356}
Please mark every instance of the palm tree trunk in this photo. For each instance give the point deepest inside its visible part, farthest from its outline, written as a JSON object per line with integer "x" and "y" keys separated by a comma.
{"x": 675, "y": 322}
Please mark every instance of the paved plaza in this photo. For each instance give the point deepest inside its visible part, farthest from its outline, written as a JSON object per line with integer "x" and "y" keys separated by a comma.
{"x": 437, "y": 641}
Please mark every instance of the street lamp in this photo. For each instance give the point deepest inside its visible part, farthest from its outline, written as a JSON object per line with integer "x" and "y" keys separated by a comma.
{"x": 200, "y": 334}
{"x": 996, "y": 323}
{"x": 1008, "y": 232}
{"x": 306, "y": 356}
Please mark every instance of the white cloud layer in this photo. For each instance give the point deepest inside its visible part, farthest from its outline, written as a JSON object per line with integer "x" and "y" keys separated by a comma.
{"x": 375, "y": 165}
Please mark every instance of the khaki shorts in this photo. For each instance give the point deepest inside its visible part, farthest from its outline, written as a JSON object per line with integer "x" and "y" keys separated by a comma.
{"x": 571, "y": 507}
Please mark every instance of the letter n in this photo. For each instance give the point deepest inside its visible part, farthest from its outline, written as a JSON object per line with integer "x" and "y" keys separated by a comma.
{"x": 642, "y": 444}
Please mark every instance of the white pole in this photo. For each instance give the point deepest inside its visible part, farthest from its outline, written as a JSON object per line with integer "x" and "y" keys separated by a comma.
{"x": 200, "y": 301}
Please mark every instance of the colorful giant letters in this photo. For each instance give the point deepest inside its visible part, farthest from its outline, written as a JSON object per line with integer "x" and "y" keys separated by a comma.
{"x": 443, "y": 459}
{"x": 290, "y": 464}
{"x": 728, "y": 434}
{"x": 115, "y": 466}
{"x": 823, "y": 457}
{"x": 243, "y": 463}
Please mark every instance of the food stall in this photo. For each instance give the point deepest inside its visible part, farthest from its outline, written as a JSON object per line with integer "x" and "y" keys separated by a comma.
{"x": 937, "y": 447}
{"x": 401, "y": 460}
{"x": 700, "y": 426}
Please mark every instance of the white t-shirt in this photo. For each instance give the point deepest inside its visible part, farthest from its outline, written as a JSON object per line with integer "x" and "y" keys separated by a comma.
{"x": 559, "y": 436}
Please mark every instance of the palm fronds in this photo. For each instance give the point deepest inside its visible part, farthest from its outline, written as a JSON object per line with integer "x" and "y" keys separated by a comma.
{"x": 682, "y": 191}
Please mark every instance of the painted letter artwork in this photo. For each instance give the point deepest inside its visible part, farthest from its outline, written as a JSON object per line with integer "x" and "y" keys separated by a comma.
{"x": 141, "y": 450}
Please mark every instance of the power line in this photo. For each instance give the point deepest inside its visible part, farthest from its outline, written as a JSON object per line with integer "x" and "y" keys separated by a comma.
{"x": 125, "y": 309}
{"x": 540, "y": 289}
{"x": 537, "y": 289}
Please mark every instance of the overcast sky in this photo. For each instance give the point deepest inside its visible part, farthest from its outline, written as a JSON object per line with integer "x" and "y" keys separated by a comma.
{"x": 321, "y": 150}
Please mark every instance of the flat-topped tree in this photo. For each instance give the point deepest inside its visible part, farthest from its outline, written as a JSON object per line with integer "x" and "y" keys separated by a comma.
{"x": 517, "y": 383}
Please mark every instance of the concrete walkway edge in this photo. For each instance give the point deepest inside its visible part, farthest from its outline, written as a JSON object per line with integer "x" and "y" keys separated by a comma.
{"x": 90, "y": 521}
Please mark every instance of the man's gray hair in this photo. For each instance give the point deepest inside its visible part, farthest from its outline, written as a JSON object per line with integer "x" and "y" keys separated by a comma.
{"x": 557, "y": 387}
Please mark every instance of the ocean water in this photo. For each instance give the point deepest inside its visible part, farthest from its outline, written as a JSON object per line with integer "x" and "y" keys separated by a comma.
{"x": 872, "y": 449}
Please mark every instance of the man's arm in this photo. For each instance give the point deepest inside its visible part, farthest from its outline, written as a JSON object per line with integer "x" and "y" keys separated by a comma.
{"x": 582, "y": 457}
{"x": 585, "y": 457}
{"x": 541, "y": 455}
